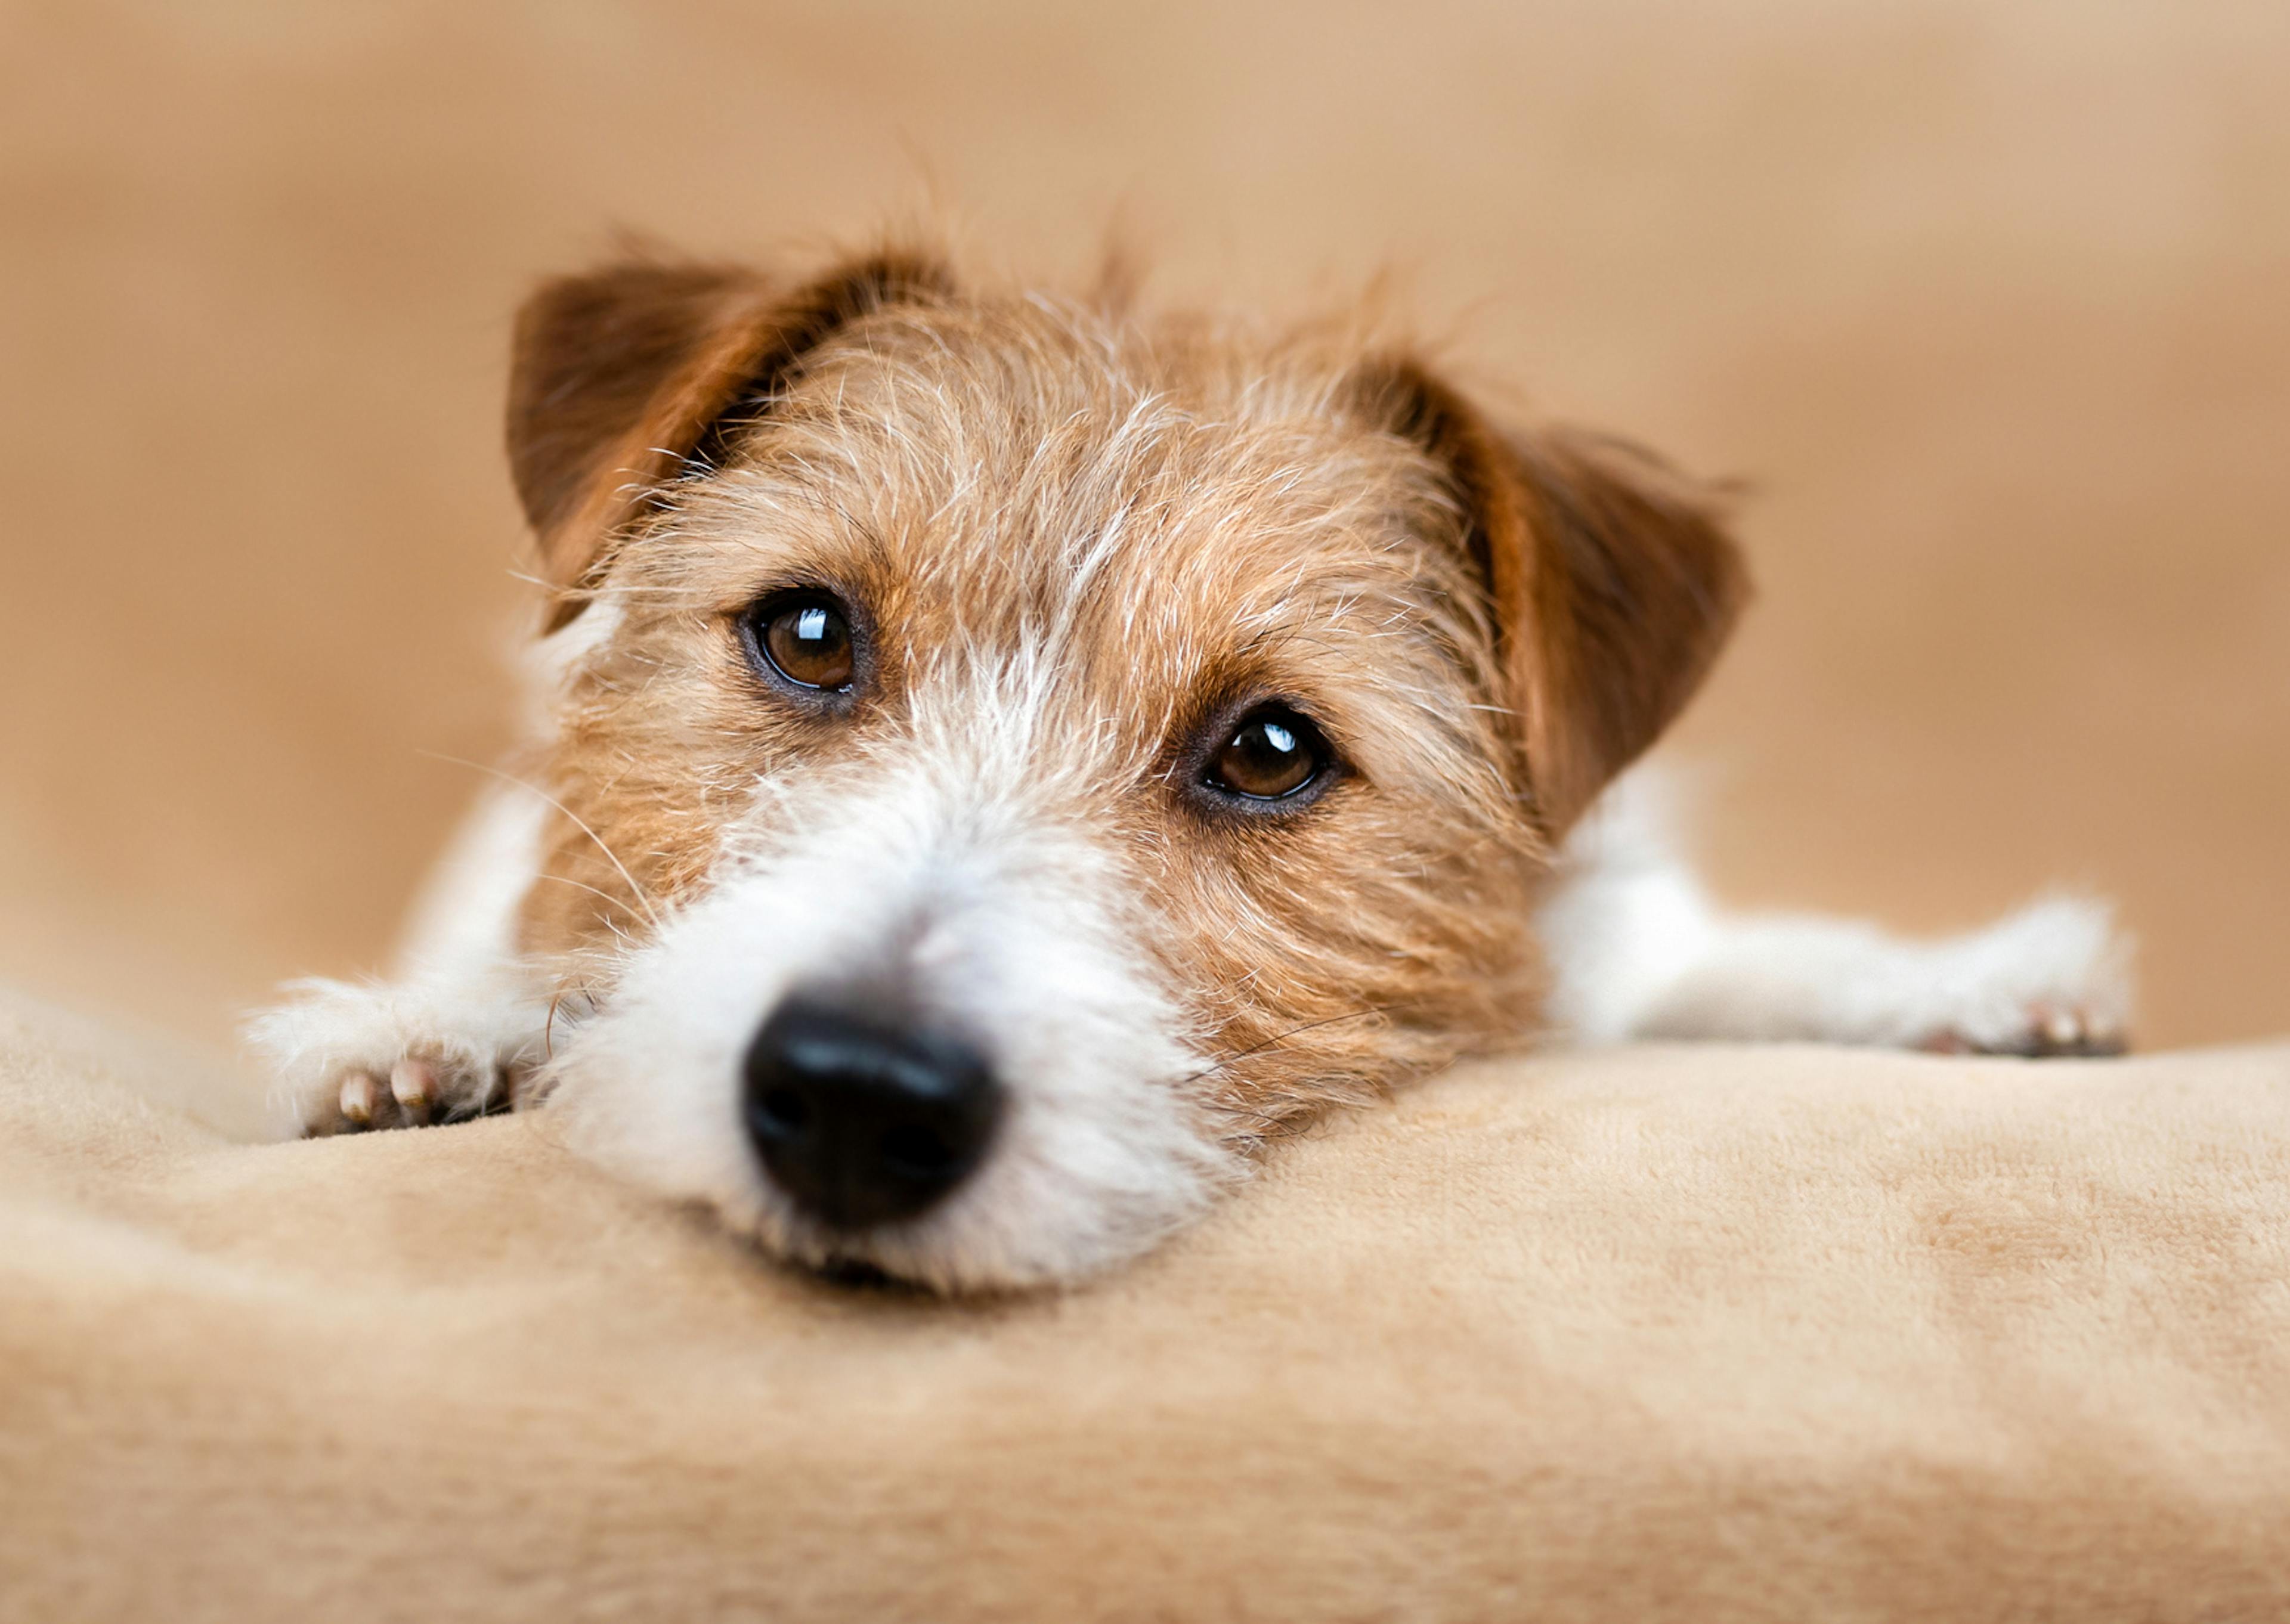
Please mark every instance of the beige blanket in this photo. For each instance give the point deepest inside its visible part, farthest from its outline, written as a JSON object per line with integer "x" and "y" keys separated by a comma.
{"x": 1658, "y": 1334}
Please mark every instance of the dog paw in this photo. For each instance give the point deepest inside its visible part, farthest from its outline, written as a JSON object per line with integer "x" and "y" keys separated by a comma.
{"x": 415, "y": 1090}
{"x": 2043, "y": 1032}
{"x": 2052, "y": 981}
{"x": 348, "y": 1058}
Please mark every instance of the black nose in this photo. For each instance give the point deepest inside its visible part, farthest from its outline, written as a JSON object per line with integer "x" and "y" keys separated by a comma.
{"x": 862, "y": 1120}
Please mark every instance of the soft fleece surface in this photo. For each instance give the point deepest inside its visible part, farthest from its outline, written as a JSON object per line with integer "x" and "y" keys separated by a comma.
{"x": 1658, "y": 1334}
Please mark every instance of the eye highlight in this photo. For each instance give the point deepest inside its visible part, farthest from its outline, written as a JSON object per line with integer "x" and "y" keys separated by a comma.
{"x": 1272, "y": 754}
{"x": 804, "y": 639}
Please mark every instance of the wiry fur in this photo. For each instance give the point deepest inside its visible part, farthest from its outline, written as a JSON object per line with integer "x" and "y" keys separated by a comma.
{"x": 1076, "y": 542}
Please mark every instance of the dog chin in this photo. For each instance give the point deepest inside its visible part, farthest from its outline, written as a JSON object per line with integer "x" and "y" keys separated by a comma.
{"x": 1005, "y": 935}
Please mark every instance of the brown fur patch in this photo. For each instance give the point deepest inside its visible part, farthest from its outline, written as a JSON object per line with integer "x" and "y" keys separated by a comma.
{"x": 622, "y": 375}
{"x": 1611, "y": 579}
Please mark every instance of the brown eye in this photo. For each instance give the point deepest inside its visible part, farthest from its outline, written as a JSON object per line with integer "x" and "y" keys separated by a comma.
{"x": 805, "y": 637}
{"x": 1272, "y": 754}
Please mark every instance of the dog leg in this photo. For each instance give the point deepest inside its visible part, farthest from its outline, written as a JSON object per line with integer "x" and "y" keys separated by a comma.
{"x": 456, "y": 1032}
{"x": 2046, "y": 980}
{"x": 1639, "y": 950}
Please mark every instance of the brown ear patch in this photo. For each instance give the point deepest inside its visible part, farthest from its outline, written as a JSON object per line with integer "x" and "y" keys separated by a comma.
{"x": 622, "y": 377}
{"x": 1610, "y": 578}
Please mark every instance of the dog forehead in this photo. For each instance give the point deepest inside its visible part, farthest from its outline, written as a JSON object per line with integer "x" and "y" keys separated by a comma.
{"x": 1026, "y": 462}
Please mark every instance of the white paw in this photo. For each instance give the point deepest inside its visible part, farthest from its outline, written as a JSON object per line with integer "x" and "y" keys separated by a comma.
{"x": 2053, "y": 980}
{"x": 347, "y": 1057}
{"x": 2041, "y": 1032}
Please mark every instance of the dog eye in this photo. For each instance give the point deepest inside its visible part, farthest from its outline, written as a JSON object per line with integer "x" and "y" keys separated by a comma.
{"x": 1272, "y": 754}
{"x": 805, "y": 637}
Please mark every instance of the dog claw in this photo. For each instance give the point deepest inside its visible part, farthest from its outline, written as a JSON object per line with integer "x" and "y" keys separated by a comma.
{"x": 409, "y": 1092}
{"x": 414, "y": 1084}
{"x": 361, "y": 1096}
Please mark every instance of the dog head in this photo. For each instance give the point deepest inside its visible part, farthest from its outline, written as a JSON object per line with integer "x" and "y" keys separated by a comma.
{"x": 1013, "y": 755}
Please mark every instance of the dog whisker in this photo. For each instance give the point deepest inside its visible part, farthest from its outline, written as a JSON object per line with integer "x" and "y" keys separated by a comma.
{"x": 643, "y": 899}
{"x": 1296, "y": 1031}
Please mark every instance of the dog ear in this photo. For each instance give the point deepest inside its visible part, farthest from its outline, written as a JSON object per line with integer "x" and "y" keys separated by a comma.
{"x": 1611, "y": 582}
{"x": 621, "y": 379}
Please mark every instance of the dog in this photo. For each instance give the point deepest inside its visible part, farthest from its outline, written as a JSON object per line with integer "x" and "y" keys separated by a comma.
{"x": 1002, "y": 758}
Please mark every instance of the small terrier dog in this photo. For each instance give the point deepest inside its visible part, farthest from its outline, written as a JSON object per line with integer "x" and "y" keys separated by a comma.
{"x": 1001, "y": 758}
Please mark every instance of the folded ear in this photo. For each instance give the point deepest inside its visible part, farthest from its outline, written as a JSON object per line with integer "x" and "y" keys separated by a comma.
{"x": 622, "y": 377}
{"x": 1611, "y": 582}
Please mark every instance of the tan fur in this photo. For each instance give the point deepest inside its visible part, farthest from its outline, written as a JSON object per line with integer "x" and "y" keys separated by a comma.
{"x": 1119, "y": 527}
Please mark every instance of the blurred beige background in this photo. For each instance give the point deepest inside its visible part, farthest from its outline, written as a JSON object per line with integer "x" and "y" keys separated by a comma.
{"x": 1991, "y": 299}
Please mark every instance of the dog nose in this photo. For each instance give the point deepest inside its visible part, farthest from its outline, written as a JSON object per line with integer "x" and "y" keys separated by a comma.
{"x": 863, "y": 1121}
